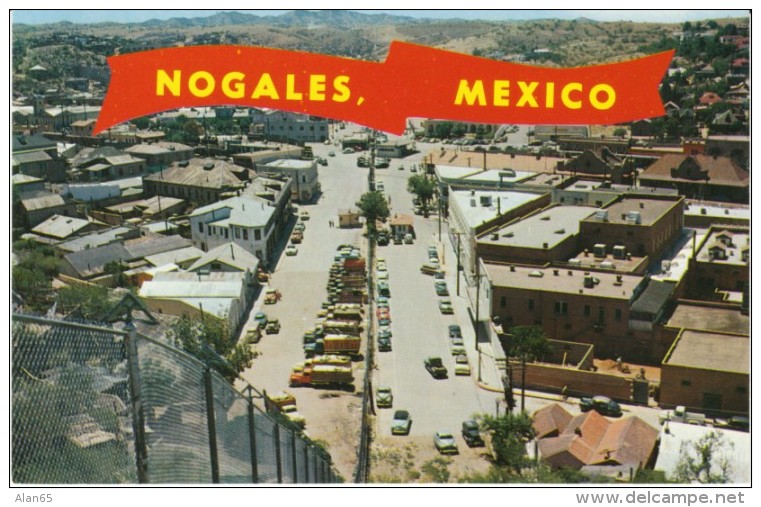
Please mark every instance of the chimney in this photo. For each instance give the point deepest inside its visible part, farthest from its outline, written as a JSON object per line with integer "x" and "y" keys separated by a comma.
{"x": 512, "y": 268}
{"x": 556, "y": 272}
{"x": 641, "y": 205}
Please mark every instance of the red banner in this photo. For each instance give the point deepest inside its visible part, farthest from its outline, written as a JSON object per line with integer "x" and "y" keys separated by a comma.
{"x": 414, "y": 81}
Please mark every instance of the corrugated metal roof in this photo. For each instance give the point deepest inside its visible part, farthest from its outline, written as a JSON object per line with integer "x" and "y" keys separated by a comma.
{"x": 42, "y": 202}
{"x": 59, "y": 226}
{"x": 90, "y": 261}
{"x": 230, "y": 254}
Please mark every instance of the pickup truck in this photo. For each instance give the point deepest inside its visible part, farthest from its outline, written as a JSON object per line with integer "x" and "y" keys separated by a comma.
{"x": 680, "y": 414}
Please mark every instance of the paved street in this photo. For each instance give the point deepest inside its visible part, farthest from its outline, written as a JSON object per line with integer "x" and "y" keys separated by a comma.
{"x": 419, "y": 331}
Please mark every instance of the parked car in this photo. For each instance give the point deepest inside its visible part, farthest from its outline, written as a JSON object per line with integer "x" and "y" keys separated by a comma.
{"x": 445, "y": 443}
{"x": 439, "y": 274}
{"x": 398, "y": 239}
{"x": 383, "y": 397}
{"x": 384, "y": 343}
{"x": 408, "y": 239}
{"x": 331, "y": 153}
{"x": 299, "y": 227}
{"x": 270, "y": 296}
{"x": 291, "y": 250}
{"x": 292, "y": 413}
{"x": 261, "y": 319}
{"x": 304, "y": 215}
{"x": 384, "y": 289}
{"x": 601, "y": 404}
{"x": 401, "y": 423}
{"x": 273, "y": 326}
{"x": 445, "y": 306}
{"x": 457, "y": 350}
{"x": 382, "y": 274}
{"x": 457, "y": 340}
{"x": 254, "y": 335}
{"x": 455, "y": 331}
{"x": 461, "y": 365}
{"x": 435, "y": 367}
{"x": 383, "y": 313}
{"x": 441, "y": 288}
{"x": 472, "y": 434}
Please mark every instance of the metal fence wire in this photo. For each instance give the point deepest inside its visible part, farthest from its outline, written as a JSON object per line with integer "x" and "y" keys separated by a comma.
{"x": 94, "y": 405}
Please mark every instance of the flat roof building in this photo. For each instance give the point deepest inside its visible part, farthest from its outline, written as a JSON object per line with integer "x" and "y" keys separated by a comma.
{"x": 709, "y": 372}
{"x": 550, "y": 234}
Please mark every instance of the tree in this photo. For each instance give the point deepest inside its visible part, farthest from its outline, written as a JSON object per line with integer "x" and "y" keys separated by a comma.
{"x": 620, "y": 132}
{"x": 374, "y": 207}
{"x": 705, "y": 461}
{"x": 93, "y": 301}
{"x": 527, "y": 343}
{"x": 509, "y": 435}
{"x": 424, "y": 188}
{"x": 210, "y": 341}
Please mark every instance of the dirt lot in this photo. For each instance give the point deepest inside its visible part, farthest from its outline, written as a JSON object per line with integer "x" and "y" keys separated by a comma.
{"x": 628, "y": 370}
{"x": 415, "y": 460}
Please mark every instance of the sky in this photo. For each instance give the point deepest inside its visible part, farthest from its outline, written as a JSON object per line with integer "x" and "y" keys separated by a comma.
{"x": 136, "y": 16}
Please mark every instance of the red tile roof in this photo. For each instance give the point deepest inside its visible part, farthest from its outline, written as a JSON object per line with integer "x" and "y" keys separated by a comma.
{"x": 550, "y": 421}
{"x": 591, "y": 439}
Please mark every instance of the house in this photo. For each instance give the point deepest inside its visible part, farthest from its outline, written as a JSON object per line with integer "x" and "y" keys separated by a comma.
{"x": 709, "y": 98}
{"x": 226, "y": 257}
{"x": 153, "y": 208}
{"x": 37, "y": 156}
{"x": 83, "y": 128}
{"x": 401, "y": 224}
{"x": 226, "y": 296}
{"x": 707, "y": 372}
{"x": 59, "y": 228}
{"x": 725, "y": 119}
{"x": 644, "y": 128}
{"x": 590, "y": 439}
{"x": 199, "y": 180}
{"x": 25, "y": 183}
{"x": 90, "y": 263}
{"x": 718, "y": 178}
{"x": 247, "y": 221}
{"x": 38, "y": 205}
{"x": 160, "y": 155}
{"x": 105, "y": 163}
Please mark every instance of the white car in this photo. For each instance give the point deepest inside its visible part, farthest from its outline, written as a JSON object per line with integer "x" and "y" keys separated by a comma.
{"x": 291, "y": 250}
{"x": 383, "y": 275}
{"x": 461, "y": 365}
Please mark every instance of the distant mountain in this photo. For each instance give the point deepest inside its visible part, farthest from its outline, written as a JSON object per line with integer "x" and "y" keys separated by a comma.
{"x": 330, "y": 18}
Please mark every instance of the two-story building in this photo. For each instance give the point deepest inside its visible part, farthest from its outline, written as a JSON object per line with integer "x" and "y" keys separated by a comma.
{"x": 245, "y": 221}
{"x": 306, "y": 183}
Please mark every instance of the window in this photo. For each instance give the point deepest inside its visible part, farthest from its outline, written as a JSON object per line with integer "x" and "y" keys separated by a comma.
{"x": 503, "y": 302}
{"x": 601, "y": 314}
{"x": 587, "y": 310}
{"x": 741, "y": 390}
{"x": 257, "y": 234}
{"x": 686, "y": 383}
{"x": 226, "y": 233}
{"x": 200, "y": 226}
{"x": 561, "y": 308}
{"x": 237, "y": 233}
{"x": 245, "y": 234}
{"x": 618, "y": 315}
{"x": 531, "y": 305}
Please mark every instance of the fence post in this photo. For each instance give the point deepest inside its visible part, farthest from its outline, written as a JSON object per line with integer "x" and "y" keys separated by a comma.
{"x": 277, "y": 454}
{"x": 136, "y": 399}
{"x": 211, "y": 425}
{"x": 306, "y": 463}
{"x": 293, "y": 455}
{"x": 252, "y": 437}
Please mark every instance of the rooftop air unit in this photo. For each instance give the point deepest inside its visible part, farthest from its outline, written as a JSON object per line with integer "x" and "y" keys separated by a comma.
{"x": 599, "y": 250}
{"x": 619, "y": 252}
{"x": 634, "y": 217}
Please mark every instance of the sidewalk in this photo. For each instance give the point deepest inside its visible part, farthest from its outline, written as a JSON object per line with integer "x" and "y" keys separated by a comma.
{"x": 483, "y": 365}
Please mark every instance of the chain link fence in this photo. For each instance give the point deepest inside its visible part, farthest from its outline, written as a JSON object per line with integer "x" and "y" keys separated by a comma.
{"x": 94, "y": 405}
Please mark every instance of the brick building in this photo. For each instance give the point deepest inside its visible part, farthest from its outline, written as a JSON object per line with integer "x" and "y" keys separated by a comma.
{"x": 699, "y": 177}
{"x": 708, "y": 372}
{"x": 571, "y": 305}
{"x": 644, "y": 226}
{"x": 548, "y": 235}
{"x": 721, "y": 265}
